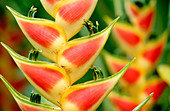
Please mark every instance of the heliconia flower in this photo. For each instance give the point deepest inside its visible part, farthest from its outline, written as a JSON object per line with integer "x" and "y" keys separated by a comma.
{"x": 88, "y": 96}
{"x": 155, "y": 85}
{"x": 142, "y": 18}
{"x": 122, "y": 103}
{"x": 78, "y": 55}
{"x": 152, "y": 52}
{"x": 24, "y": 102}
{"x": 49, "y": 79}
{"x": 133, "y": 77}
{"x": 43, "y": 34}
{"x": 129, "y": 38}
{"x": 164, "y": 72}
{"x": 70, "y": 14}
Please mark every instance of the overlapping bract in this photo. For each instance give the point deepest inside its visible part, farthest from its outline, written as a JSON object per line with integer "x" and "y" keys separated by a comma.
{"x": 49, "y": 37}
{"x": 53, "y": 83}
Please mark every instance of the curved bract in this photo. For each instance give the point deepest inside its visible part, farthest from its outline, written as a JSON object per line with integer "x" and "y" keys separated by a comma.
{"x": 24, "y": 101}
{"x": 151, "y": 52}
{"x": 70, "y": 14}
{"x": 79, "y": 54}
{"x": 49, "y": 79}
{"x": 43, "y": 34}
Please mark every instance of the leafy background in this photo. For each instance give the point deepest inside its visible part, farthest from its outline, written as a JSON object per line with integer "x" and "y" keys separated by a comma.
{"x": 112, "y": 8}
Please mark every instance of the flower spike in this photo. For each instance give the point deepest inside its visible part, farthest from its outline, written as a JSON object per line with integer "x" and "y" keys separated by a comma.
{"x": 88, "y": 96}
{"x": 79, "y": 54}
{"x": 152, "y": 52}
{"x": 24, "y": 102}
{"x": 50, "y": 80}
{"x": 70, "y": 14}
{"x": 43, "y": 34}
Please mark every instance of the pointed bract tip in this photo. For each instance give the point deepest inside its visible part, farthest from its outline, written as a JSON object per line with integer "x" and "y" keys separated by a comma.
{"x": 5, "y": 46}
{"x": 1, "y": 76}
{"x": 151, "y": 94}
{"x": 115, "y": 20}
{"x": 133, "y": 60}
{"x": 15, "y": 13}
{"x": 2, "y": 44}
{"x": 126, "y": 67}
{"x": 9, "y": 8}
{"x": 109, "y": 26}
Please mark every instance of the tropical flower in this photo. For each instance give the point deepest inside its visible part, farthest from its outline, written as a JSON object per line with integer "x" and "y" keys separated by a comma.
{"x": 73, "y": 58}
